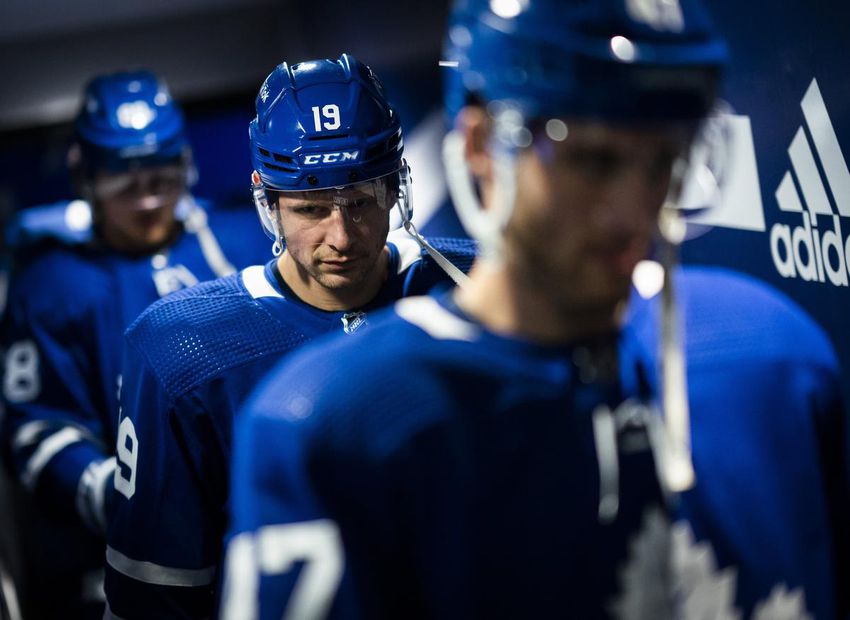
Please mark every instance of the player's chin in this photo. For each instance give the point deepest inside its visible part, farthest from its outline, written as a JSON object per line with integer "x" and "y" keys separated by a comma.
{"x": 342, "y": 280}
{"x": 148, "y": 239}
{"x": 605, "y": 289}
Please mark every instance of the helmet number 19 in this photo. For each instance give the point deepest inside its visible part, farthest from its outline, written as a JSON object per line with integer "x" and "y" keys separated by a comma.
{"x": 330, "y": 113}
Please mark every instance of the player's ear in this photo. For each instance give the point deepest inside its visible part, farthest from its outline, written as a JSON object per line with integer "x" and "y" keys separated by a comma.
{"x": 475, "y": 125}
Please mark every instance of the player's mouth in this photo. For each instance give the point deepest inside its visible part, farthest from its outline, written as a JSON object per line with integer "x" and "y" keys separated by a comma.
{"x": 340, "y": 265}
{"x": 148, "y": 219}
{"x": 620, "y": 258}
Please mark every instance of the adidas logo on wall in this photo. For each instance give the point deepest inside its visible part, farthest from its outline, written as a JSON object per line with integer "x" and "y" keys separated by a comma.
{"x": 806, "y": 251}
{"x": 816, "y": 249}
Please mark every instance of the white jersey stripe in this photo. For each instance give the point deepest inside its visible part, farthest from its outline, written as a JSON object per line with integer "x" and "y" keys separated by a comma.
{"x": 28, "y": 433}
{"x": 158, "y": 575}
{"x": 408, "y": 250}
{"x": 254, "y": 279}
{"x": 47, "y": 449}
{"x": 428, "y": 315}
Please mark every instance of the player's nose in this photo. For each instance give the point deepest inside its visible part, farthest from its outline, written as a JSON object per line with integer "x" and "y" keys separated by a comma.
{"x": 338, "y": 234}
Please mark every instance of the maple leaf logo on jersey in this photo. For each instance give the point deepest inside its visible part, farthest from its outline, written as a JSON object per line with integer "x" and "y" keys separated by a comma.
{"x": 645, "y": 578}
{"x": 783, "y": 605}
{"x": 700, "y": 590}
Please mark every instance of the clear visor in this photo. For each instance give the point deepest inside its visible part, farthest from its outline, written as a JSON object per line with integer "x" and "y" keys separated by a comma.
{"x": 359, "y": 203}
{"x": 679, "y": 165}
{"x": 147, "y": 187}
{"x": 700, "y": 178}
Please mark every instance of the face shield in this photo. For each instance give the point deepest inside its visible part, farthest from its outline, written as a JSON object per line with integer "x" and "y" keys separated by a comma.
{"x": 141, "y": 188}
{"x": 687, "y": 165}
{"x": 360, "y": 203}
{"x": 699, "y": 177}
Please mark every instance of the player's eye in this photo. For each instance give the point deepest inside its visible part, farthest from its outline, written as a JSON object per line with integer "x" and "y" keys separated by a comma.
{"x": 363, "y": 204}
{"x": 166, "y": 181}
{"x": 311, "y": 211}
{"x": 595, "y": 164}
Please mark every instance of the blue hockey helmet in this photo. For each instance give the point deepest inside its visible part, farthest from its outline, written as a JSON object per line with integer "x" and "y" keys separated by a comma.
{"x": 325, "y": 124}
{"x": 541, "y": 62}
{"x": 129, "y": 119}
{"x": 609, "y": 59}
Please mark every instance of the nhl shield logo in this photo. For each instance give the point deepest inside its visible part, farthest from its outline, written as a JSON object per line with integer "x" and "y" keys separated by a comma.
{"x": 352, "y": 320}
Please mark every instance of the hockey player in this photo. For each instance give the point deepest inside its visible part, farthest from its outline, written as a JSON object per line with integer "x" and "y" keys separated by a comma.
{"x": 83, "y": 271}
{"x": 767, "y": 424}
{"x": 327, "y": 151}
{"x": 763, "y": 525}
{"x": 487, "y": 453}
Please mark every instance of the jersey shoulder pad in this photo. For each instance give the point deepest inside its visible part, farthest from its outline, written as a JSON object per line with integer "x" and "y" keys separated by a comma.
{"x": 65, "y": 222}
{"x": 414, "y": 338}
{"x": 459, "y": 250}
{"x": 731, "y": 316}
{"x": 419, "y": 270}
{"x": 60, "y": 280}
{"x": 374, "y": 390}
{"x": 197, "y": 333}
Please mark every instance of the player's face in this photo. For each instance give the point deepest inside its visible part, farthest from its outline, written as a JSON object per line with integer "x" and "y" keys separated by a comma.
{"x": 587, "y": 209}
{"x": 136, "y": 209}
{"x": 336, "y": 236}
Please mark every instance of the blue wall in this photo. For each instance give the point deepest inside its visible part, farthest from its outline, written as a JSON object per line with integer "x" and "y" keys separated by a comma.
{"x": 779, "y": 50}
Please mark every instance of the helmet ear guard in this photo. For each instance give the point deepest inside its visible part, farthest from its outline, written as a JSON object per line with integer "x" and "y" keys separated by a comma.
{"x": 700, "y": 178}
{"x": 404, "y": 201}
{"x": 264, "y": 212}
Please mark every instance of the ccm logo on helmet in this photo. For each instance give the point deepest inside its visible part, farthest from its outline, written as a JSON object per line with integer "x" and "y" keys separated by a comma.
{"x": 330, "y": 158}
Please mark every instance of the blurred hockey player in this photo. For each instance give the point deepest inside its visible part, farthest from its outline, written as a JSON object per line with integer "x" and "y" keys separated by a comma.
{"x": 492, "y": 452}
{"x": 83, "y": 271}
{"x": 327, "y": 152}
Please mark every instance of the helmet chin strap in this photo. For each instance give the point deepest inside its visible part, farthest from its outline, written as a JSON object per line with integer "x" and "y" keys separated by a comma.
{"x": 694, "y": 182}
{"x": 405, "y": 208}
{"x": 676, "y": 463}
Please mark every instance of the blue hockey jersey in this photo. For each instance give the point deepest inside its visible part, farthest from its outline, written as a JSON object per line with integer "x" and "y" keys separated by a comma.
{"x": 430, "y": 468}
{"x": 69, "y": 303}
{"x": 767, "y": 427}
{"x": 191, "y": 360}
